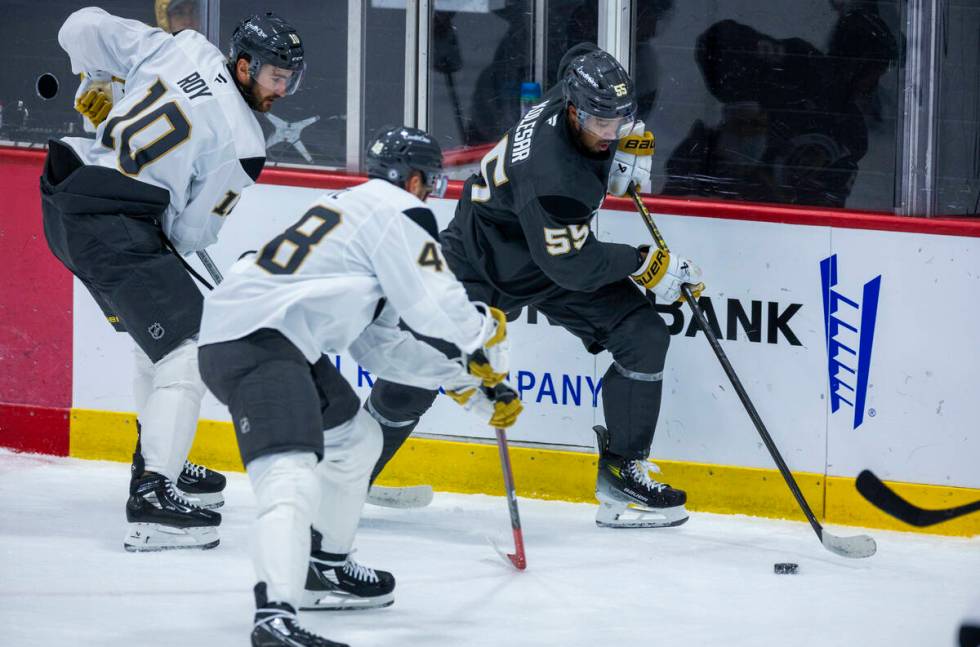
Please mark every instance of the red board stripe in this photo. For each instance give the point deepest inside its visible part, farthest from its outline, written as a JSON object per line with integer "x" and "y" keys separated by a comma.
{"x": 28, "y": 428}
{"x": 790, "y": 215}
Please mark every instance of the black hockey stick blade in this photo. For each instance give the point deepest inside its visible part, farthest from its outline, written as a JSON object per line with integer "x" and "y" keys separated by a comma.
{"x": 888, "y": 501}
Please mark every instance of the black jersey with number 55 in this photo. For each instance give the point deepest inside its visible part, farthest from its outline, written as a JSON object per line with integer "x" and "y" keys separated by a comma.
{"x": 523, "y": 223}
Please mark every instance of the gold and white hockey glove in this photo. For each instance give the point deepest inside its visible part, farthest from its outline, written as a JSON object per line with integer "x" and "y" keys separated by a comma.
{"x": 499, "y": 406}
{"x": 633, "y": 160}
{"x": 95, "y": 95}
{"x": 663, "y": 274}
{"x": 491, "y": 362}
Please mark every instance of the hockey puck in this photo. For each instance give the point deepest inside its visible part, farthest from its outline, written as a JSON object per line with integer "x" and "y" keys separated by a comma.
{"x": 786, "y": 568}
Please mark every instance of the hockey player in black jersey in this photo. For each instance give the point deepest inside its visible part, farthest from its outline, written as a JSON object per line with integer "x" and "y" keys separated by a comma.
{"x": 521, "y": 236}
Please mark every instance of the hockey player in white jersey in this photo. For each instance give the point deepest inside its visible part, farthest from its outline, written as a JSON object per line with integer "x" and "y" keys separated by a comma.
{"x": 339, "y": 279}
{"x": 170, "y": 158}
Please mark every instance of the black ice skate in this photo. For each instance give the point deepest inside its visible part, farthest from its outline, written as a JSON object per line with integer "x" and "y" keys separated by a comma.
{"x": 201, "y": 486}
{"x": 629, "y": 498}
{"x": 275, "y": 625}
{"x": 160, "y": 518}
{"x": 335, "y": 582}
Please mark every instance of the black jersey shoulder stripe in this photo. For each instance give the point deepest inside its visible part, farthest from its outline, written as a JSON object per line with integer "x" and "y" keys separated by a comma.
{"x": 253, "y": 166}
{"x": 424, "y": 218}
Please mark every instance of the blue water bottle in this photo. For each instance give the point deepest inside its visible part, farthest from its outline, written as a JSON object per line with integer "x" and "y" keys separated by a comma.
{"x": 530, "y": 95}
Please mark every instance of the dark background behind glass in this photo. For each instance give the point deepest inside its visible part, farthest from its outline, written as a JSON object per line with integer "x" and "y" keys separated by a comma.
{"x": 790, "y": 102}
{"x": 29, "y": 47}
{"x": 477, "y": 62}
{"x": 384, "y": 70}
{"x": 323, "y": 93}
{"x": 958, "y": 168}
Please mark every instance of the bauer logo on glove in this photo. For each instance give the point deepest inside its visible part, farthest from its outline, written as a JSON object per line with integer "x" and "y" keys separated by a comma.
{"x": 638, "y": 144}
{"x": 633, "y": 160}
{"x": 664, "y": 273}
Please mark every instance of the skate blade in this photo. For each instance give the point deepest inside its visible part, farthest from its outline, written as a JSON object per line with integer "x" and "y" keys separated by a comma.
{"x": 152, "y": 537}
{"x": 619, "y": 515}
{"x": 337, "y": 601}
{"x": 413, "y": 496}
{"x": 206, "y": 500}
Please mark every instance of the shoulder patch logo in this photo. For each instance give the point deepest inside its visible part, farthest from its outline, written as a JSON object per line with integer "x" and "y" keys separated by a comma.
{"x": 554, "y": 120}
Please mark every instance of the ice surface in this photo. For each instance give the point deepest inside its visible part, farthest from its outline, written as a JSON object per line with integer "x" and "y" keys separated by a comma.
{"x": 65, "y": 579}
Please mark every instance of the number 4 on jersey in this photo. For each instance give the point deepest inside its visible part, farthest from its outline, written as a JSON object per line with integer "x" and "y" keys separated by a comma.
{"x": 430, "y": 257}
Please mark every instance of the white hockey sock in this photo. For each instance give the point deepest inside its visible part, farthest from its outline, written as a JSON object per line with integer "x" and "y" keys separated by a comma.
{"x": 172, "y": 406}
{"x": 287, "y": 494}
{"x": 350, "y": 451}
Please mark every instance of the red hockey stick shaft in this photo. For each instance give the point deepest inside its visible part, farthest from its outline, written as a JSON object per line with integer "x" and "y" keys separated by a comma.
{"x": 517, "y": 558}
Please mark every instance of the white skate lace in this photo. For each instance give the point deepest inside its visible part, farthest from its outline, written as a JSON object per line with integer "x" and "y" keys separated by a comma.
{"x": 195, "y": 470}
{"x": 176, "y": 494}
{"x": 640, "y": 470}
{"x": 360, "y": 572}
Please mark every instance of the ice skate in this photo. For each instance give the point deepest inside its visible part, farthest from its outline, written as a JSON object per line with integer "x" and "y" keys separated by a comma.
{"x": 629, "y": 498}
{"x": 201, "y": 486}
{"x": 161, "y": 519}
{"x": 275, "y": 625}
{"x": 335, "y": 582}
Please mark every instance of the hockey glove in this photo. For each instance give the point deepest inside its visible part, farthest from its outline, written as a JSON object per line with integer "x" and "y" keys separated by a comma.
{"x": 94, "y": 97}
{"x": 633, "y": 160}
{"x": 491, "y": 362}
{"x": 499, "y": 405}
{"x": 663, "y": 274}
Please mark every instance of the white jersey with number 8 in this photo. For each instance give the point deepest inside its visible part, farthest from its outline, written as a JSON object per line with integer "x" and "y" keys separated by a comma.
{"x": 342, "y": 276}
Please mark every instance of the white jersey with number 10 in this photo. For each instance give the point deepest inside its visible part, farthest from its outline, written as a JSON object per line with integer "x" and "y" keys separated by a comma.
{"x": 182, "y": 124}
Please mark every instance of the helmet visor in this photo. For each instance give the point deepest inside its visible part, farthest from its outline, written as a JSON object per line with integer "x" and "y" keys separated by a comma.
{"x": 278, "y": 80}
{"x": 607, "y": 127}
{"x": 436, "y": 183}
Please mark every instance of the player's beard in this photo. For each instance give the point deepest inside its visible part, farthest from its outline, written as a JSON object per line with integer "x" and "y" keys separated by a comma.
{"x": 254, "y": 100}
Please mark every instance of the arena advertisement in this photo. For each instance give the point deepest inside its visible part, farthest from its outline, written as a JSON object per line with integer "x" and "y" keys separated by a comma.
{"x": 905, "y": 368}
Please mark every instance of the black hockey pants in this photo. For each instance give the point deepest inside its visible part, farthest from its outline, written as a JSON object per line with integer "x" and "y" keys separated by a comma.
{"x": 617, "y": 318}
{"x": 105, "y": 228}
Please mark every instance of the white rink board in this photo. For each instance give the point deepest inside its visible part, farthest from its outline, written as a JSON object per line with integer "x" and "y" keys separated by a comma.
{"x": 919, "y": 418}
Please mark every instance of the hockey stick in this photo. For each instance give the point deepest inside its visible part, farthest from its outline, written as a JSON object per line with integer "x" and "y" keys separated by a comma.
{"x": 517, "y": 558}
{"x": 855, "y": 547}
{"x": 887, "y": 500}
{"x": 209, "y": 265}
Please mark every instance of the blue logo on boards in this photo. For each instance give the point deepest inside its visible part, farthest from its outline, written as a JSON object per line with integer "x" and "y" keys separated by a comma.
{"x": 849, "y": 328}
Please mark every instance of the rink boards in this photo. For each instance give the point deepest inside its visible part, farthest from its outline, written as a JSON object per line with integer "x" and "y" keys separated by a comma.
{"x": 856, "y": 344}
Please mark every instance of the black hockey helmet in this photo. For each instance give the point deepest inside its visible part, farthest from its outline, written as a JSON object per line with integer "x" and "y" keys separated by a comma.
{"x": 396, "y": 151}
{"x": 267, "y": 39}
{"x": 601, "y": 91}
